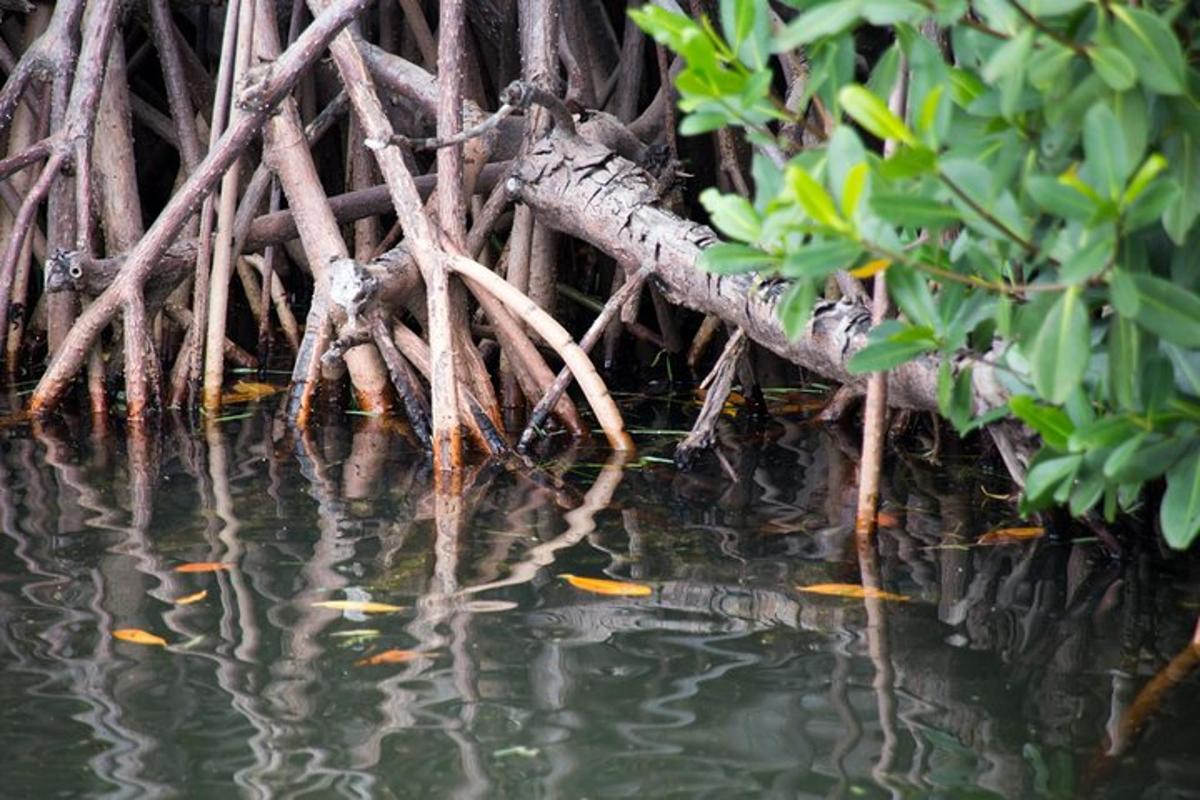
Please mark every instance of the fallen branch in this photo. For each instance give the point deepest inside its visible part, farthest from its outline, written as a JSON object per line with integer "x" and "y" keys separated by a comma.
{"x": 586, "y": 190}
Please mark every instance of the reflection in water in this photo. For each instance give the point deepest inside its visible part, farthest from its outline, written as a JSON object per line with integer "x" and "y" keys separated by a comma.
{"x": 1013, "y": 672}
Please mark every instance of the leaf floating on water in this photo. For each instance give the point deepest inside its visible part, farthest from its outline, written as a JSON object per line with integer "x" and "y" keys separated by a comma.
{"x": 365, "y": 606}
{"x": 607, "y": 587}
{"x": 357, "y": 633}
{"x": 488, "y": 606}
{"x": 248, "y": 392}
{"x": 1010, "y": 535}
{"x": 851, "y": 590}
{"x": 139, "y": 636}
{"x": 204, "y": 566}
{"x": 519, "y": 751}
{"x": 389, "y": 657}
{"x": 188, "y": 599}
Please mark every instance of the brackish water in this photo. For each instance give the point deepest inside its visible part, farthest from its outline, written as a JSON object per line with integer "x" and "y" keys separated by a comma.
{"x": 1014, "y": 670}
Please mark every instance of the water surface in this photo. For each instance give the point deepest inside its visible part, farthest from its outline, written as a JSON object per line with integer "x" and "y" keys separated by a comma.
{"x": 1011, "y": 672}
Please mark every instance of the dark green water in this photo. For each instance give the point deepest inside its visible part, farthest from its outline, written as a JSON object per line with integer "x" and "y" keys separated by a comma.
{"x": 1007, "y": 674}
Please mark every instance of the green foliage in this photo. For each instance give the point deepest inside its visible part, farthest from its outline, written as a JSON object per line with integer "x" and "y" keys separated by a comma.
{"x": 1033, "y": 200}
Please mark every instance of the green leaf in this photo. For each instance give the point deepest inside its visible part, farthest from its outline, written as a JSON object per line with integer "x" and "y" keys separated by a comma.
{"x": 1010, "y": 57}
{"x": 1152, "y": 45}
{"x": 1113, "y": 66}
{"x": 817, "y": 259}
{"x": 1183, "y": 153}
{"x": 737, "y": 19}
{"x": 735, "y": 259}
{"x": 1141, "y": 179}
{"x": 1088, "y": 260}
{"x": 909, "y": 162}
{"x": 1104, "y": 144}
{"x": 1150, "y": 460}
{"x": 1054, "y": 426}
{"x": 732, "y": 215}
{"x": 1124, "y": 361}
{"x": 1167, "y": 310}
{"x": 795, "y": 307}
{"x": 955, "y": 395}
{"x": 1060, "y": 351}
{"x": 1047, "y": 474}
{"x": 704, "y": 122}
{"x": 908, "y": 210}
{"x": 813, "y": 198}
{"x": 817, "y": 23}
{"x": 873, "y": 114}
{"x": 1118, "y": 461}
{"x": 1180, "y": 510}
{"x": 1150, "y": 205}
{"x": 852, "y": 189}
{"x": 1187, "y": 368}
{"x": 891, "y": 344}
{"x": 911, "y": 292}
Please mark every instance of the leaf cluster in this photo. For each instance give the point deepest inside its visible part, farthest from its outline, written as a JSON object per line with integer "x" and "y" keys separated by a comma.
{"x": 1031, "y": 191}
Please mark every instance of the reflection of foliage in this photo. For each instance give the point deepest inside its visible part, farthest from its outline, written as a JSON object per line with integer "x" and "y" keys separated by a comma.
{"x": 1034, "y": 210}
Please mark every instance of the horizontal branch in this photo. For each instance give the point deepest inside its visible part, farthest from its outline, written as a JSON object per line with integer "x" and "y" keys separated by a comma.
{"x": 584, "y": 189}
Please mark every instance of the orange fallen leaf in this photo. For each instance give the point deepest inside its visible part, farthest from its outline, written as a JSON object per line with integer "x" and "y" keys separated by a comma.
{"x": 389, "y": 657}
{"x": 602, "y": 586}
{"x": 203, "y": 566}
{"x": 1010, "y": 535}
{"x": 139, "y": 636}
{"x": 188, "y": 599}
{"x": 851, "y": 590}
{"x": 248, "y": 392}
{"x": 365, "y": 606}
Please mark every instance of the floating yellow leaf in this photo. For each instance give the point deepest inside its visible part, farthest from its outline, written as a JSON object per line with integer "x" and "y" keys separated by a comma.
{"x": 139, "y": 636}
{"x": 1010, "y": 535}
{"x": 365, "y": 606}
{"x": 358, "y": 633}
{"x": 871, "y": 267}
{"x": 203, "y": 566}
{"x": 602, "y": 586}
{"x": 248, "y": 392}
{"x": 188, "y": 599}
{"x": 851, "y": 590}
{"x": 389, "y": 657}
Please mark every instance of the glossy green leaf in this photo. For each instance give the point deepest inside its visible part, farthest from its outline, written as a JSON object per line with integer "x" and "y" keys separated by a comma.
{"x": 1183, "y": 154}
{"x": 1060, "y": 352}
{"x": 1167, "y": 310}
{"x": 1047, "y": 474}
{"x": 813, "y": 198}
{"x": 795, "y": 307}
{"x": 890, "y": 345}
{"x": 1104, "y": 144}
{"x": 732, "y": 215}
{"x": 1054, "y": 426}
{"x": 873, "y": 114}
{"x": 1055, "y": 197}
{"x": 818, "y": 259}
{"x": 816, "y": 23}
{"x": 1180, "y": 510}
{"x": 910, "y": 290}
{"x": 1150, "y": 43}
{"x": 735, "y": 259}
{"x": 911, "y": 211}
{"x": 1113, "y": 66}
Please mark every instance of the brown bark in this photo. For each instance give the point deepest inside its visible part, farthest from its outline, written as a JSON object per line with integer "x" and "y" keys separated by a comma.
{"x": 584, "y": 189}
{"x": 261, "y": 95}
